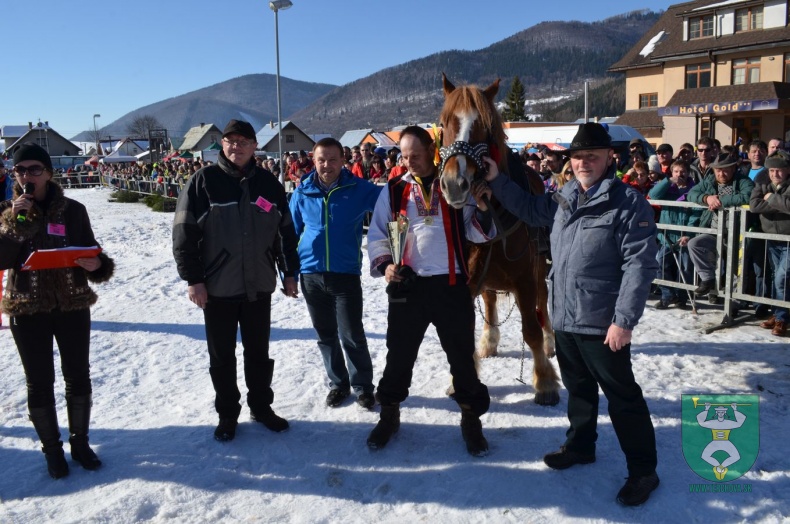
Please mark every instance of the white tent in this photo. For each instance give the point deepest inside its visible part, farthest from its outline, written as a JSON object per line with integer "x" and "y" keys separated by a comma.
{"x": 117, "y": 157}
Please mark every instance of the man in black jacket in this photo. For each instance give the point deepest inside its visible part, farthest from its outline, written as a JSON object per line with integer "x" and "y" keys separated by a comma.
{"x": 232, "y": 223}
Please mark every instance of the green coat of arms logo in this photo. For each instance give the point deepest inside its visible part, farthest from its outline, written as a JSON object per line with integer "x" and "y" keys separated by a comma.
{"x": 721, "y": 434}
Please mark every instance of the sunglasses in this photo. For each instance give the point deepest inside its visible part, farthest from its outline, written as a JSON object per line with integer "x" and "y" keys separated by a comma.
{"x": 703, "y": 150}
{"x": 238, "y": 143}
{"x": 30, "y": 171}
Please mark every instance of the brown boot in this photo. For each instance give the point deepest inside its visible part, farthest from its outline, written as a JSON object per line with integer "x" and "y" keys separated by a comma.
{"x": 768, "y": 323}
{"x": 780, "y": 328}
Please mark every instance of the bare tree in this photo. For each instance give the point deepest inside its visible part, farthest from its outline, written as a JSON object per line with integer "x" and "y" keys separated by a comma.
{"x": 141, "y": 125}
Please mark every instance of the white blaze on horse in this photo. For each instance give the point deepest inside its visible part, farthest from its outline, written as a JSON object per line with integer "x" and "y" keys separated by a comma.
{"x": 513, "y": 261}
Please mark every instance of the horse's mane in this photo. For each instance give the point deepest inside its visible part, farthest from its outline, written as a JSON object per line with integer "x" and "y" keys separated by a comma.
{"x": 471, "y": 98}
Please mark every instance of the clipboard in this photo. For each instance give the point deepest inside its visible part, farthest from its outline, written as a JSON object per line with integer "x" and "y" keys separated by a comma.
{"x": 58, "y": 258}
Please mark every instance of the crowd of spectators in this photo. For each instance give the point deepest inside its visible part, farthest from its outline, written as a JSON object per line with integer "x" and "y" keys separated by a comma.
{"x": 716, "y": 177}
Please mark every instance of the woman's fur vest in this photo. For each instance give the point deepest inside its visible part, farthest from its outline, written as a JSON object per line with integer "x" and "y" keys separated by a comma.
{"x": 66, "y": 289}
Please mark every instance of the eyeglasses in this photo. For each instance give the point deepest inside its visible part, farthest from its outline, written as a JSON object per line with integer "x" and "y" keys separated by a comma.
{"x": 238, "y": 143}
{"x": 30, "y": 171}
{"x": 703, "y": 150}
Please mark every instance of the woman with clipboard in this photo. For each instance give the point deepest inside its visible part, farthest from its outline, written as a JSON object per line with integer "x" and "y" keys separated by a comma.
{"x": 50, "y": 304}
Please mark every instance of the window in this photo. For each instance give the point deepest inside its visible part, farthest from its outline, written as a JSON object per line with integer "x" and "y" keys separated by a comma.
{"x": 290, "y": 139}
{"x": 749, "y": 18}
{"x": 648, "y": 100}
{"x": 745, "y": 71}
{"x": 705, "y": 127}
{"x": 787, "y": 68}
{"x": 701, "y": 27}
{"x": 697, "y": 76}
{"x": 747, "y": 129}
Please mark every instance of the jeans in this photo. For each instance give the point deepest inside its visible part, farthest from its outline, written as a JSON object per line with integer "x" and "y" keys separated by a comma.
{"x": 334, "y": 301}
{"x": 779, "y": 253}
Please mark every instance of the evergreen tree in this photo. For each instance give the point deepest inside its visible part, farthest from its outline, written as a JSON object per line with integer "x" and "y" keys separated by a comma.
{"x": 514, "y": 102}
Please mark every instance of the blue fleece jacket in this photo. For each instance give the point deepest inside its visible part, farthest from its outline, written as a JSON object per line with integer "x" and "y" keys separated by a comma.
{"x": 329, "y": 224}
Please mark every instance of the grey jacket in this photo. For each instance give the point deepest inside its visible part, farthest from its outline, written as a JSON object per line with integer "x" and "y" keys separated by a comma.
{"x": 230, "y": 228}
{"x": 603, "y": 253}
{"x": 774, "y": 212}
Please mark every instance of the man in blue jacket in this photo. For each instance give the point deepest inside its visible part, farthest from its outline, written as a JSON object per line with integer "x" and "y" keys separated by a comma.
{"x": 328, "y": 208}
{"x": 603, "y": 250}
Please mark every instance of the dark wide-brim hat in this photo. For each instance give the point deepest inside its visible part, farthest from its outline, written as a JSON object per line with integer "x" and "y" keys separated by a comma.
{"x": 590, "y": 136}
{"x": 239, "y": 127}
{"x": 778, "y": 160}
{"x": 724, "y": 160}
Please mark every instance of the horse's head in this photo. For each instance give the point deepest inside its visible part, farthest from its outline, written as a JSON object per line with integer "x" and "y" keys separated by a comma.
{"x": 471, "y": 129}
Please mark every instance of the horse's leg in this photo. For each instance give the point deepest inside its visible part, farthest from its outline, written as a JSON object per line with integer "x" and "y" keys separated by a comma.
{"x": 544, "y": 378}
{"x": 489, "y": 340}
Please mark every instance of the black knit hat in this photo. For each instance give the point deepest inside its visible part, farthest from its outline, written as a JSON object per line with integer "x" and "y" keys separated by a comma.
{"x": 590, "y": 136}
{"x": 31, "y": 151}
{"x": 239, "y": 127}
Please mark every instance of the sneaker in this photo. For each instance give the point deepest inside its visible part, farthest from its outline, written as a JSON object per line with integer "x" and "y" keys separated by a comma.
{"x": 713, "y": 298}
{"x": 365, "y": 400}
{"x": 226, "y": 429}
{"x": 565, "y": 458}
{"x": 780, "y": 328}
{"x": 768, "y": 324}
{"x": 705, "y": 287}
{"x": 637, "y": 490}
{"x": 336, "y": 397}
{"x": 270, "y": 419}
{"x": 674, "y": 301}
{"x": 662, "y": 304}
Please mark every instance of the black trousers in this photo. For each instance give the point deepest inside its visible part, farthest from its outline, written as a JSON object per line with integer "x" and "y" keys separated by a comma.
{"x": 585, "y": 363}
{"x": 34, "y": 335}
{"x": 432, "y": 300}
{"x": 223, "y": 318}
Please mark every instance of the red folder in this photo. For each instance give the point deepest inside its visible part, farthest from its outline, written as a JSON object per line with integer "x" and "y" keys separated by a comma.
{"x": 58, "y": 258}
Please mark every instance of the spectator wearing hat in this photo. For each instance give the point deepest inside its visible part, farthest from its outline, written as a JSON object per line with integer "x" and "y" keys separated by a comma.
{"x": 661, "y": 161}
{"x": 771, "y": 200}
{"x": 603, "y": 261}
{"x": 51, "y": 303}
{"x": 724, "y": 188}
{"x": 533, "y": 161}
{"x": 232, "y": 224}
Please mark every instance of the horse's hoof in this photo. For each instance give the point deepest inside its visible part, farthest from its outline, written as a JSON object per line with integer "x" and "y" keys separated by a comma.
{"x": 486, "y": 353}
{"x": 547, "y": 398}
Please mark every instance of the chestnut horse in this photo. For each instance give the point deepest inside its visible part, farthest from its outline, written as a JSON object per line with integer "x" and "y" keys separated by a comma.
{"x": 472, "y": 128}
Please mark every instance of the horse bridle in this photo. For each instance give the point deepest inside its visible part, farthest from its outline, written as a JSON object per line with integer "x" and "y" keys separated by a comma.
{"x": 475, "y": 152}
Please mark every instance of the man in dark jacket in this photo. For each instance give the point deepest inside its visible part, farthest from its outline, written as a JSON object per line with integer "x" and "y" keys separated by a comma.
{"x": 772, "y": 201}
{"x": 725, "y": 188}
{"x": 328, "y": 208}
{"x": 706, "y": 153}
{"x": 232, "y": 223}
{"x": 603, "y": 260}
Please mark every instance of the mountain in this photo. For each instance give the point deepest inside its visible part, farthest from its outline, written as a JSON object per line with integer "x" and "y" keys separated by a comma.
{"x": 250, "y": 97}
{"x": 551, "y": 59}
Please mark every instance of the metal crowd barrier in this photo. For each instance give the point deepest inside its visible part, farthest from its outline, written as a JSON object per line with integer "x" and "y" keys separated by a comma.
{"x": 78, "y": 179}
{"x": 144, "y": 187}
{"x": 731, "y": 243}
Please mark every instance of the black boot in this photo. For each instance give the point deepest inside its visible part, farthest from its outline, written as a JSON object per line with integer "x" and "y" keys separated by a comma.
{"x": 45, "y": 420}
{"x": 472, "y": 431}
{"x": 389, "y": 423}
{"x": 79, "y": 410}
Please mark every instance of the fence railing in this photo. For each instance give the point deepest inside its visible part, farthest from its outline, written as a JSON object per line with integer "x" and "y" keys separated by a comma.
{"x": 734, "y": 265}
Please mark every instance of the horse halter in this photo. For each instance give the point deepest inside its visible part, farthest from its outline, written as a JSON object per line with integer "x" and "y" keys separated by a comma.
{"x": 475, "y": 152}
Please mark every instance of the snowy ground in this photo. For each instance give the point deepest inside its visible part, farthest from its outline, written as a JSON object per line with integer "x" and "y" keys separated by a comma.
{"x": 153, "y": 420}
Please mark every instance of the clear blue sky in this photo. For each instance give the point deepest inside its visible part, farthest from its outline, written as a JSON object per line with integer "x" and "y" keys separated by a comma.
{"x": 64, "y": 61}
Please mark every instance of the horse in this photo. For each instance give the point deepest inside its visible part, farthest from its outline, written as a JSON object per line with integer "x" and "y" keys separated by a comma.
{"x": 512, "y": 261}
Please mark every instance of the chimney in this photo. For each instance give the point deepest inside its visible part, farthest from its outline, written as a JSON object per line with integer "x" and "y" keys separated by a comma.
{"x": 46, "y": 124}
{"x": 271, "y": 124}
{"x": 202, "y": 124}
{"x": 30, "y": 125}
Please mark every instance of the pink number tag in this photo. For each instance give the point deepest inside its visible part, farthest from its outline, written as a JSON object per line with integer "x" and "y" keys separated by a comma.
{"x": 263, "y": 204}
{"x": 56, "y": 229}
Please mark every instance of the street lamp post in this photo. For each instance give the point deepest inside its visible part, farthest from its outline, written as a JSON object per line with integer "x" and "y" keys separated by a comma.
{"x": 96, "y": 133}
{"x": 276, "y": 6}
